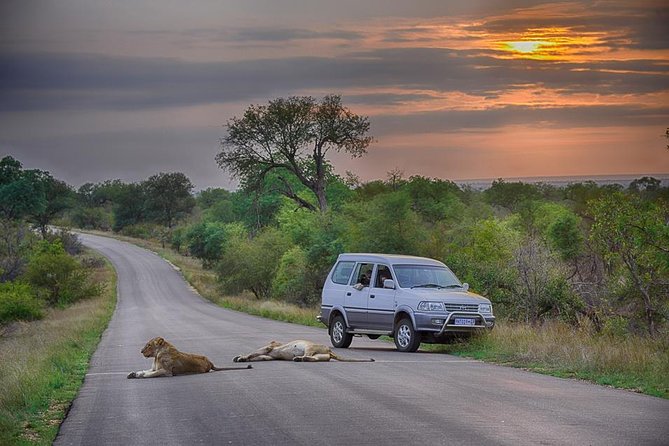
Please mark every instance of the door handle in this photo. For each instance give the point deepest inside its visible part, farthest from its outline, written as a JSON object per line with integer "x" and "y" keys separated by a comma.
{"x": 371, "y": 296}
{"x": 348, "y": 294}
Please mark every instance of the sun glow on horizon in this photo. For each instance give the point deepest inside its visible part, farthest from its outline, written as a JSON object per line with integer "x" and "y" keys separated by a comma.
{"x": 528, "y": 46}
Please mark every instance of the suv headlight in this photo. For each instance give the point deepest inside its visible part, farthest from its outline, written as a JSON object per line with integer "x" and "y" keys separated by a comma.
{"x": 485, "y": 308}
{"x": 431, "y": 306}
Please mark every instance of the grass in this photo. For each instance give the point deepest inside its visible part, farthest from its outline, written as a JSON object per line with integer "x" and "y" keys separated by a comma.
{"x": 635, "y": 363}
{"x": 44, "y": 362}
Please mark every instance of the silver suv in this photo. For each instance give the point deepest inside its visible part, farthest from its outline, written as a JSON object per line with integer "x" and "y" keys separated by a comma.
{"x": 412, "y": 299}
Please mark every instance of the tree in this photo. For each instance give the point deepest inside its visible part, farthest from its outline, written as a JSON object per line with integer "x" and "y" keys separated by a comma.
{"x": 292, "y": 137}
{"x": 511, "y": 195}
{"x": 634, "y": 232}
{"x": 58, "y": 197}
{"x": 168, "y": 197}
{"x": 21, "y": 191}
{"x": 129, "y": 207}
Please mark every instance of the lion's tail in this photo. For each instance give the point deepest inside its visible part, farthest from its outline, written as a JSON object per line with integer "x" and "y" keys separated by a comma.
{"x": 217, "y": 369}
{"x": 339, "y": 358}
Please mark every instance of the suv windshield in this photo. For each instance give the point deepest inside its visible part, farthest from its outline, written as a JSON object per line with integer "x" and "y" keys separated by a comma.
{"x": 425, "y": 276}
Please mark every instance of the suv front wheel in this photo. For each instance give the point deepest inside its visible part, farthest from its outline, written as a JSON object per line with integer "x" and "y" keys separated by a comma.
{"x": 406, "y": 338}
{"x": 338, "y": 335}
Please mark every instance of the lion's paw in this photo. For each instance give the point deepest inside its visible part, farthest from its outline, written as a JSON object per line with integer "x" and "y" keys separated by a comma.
{"x": 298, "y": 359}
{"x": 132, "y": 375}
{"x": 238, "y": 359}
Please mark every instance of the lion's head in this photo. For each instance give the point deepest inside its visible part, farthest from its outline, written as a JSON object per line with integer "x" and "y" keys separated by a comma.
{"x": 150, "y": 348}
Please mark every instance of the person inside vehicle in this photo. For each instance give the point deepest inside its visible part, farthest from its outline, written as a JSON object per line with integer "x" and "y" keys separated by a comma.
{"x": 364, "y": 282}
{"x": 382, "y": 275}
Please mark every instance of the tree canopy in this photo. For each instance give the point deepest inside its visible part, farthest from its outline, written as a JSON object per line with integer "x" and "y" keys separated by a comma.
{"x": 292, "y": 137}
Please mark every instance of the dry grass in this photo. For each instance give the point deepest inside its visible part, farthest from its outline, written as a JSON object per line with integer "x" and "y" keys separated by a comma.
{"x": 44, "y": 362}
{"x": 632, "y": 362}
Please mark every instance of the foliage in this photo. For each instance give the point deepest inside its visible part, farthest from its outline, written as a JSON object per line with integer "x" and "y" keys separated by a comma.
{"x": 251, "y": 263}
{"x": 16, "y": 241}
{"x": 634, "y": 232}
{"x": 561, "y": 229}
{"x": 206, "y": 241}
{"x": 541, "y": 288}
{"x": 21, "y": 191}
{"x": 385, "y": 224}
{"x": 435, "y": 200}
{"x": 129, "y": 206}
{"x": 91, "y": 218}
{"x": 168, "y": 197}
{"x": 292, "y": 281}
{"x": 17, "y": 302}
{"x": 58, "y": 197}
{"x": 511, "y": 195}
{"x": 291, "y": 138}
{"x": 56, "y": 277}
{"x": 486, "y": 260}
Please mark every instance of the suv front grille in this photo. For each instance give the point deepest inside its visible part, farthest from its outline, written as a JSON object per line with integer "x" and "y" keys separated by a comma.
{"x": 461, "y": 307}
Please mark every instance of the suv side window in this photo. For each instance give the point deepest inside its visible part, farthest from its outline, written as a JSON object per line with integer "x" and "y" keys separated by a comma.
{"x": 382, "y": 273}
{"x": 363, "y": 274}
{"x": 342, "y": 272}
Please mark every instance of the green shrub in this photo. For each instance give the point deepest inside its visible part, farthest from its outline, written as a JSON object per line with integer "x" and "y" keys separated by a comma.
{"x": 91, "y": 218}
{"x": 291, "y": 282}
{"x": 57, "y": 277}
{"x": 141, "y": 230}
{"x": 206, "y": 242}
{"x": 251, "y": 264}
{"x": 17, "y": 302}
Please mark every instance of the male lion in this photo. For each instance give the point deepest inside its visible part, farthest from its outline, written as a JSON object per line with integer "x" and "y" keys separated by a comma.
{"x": 168, "y": 361}
{"x": 300, "y": 351}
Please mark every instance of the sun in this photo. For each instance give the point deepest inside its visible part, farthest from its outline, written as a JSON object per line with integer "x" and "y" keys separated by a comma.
{"x": 527, "y": 46}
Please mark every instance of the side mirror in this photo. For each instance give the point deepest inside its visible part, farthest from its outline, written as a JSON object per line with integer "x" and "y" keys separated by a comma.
{"x": 389, "y": 283}
{"x": 465, "y": 286}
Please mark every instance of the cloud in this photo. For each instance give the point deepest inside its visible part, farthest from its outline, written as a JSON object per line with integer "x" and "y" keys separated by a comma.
{"x": 86, "y": 81}
{"x": 549, "y": 117}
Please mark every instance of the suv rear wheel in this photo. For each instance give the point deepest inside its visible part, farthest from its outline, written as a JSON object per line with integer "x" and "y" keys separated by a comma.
{"x": 338, "y": 336}
{"x": 406, "y": 338}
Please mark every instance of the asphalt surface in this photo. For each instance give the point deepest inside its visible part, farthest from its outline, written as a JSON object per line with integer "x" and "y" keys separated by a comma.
{"x": 402, "y": 398}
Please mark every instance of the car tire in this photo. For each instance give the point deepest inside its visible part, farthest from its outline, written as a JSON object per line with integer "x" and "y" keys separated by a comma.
{"x": 338, "y": 335}
{"x": 406, "y": 337}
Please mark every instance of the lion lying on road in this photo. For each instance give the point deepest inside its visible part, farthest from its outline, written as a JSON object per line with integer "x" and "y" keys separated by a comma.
{"x": 168, "y": 361}
{"x": 295, "y": 351}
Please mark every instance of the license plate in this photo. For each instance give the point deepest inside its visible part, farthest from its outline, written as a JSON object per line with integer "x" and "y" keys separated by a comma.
{"x": 464, "y": 321}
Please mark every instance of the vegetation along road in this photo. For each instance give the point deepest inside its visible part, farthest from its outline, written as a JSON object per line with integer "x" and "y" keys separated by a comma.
{"x": 418, "y": 398}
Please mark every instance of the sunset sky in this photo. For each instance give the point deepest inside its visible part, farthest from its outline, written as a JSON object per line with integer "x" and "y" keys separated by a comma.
{"x": 96, "y": 90}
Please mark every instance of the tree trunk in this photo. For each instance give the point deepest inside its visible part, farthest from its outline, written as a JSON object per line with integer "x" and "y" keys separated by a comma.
{"x": 319, "y": 190}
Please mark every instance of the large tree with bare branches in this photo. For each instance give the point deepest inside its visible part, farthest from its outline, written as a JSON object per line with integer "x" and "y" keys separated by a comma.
{"x": 292, "y": 137}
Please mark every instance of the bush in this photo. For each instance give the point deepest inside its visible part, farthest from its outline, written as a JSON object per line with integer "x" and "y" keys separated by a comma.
{"x": 91, "y": 218}
{"x": 58, "y": 278}
{"x": 206, "y": 242}
{"x": 251, "y": 264}
{"x": 16, "y": 241}
{"x": 141, "y": 230}
{"x": 17, "y": 302}
{"x": 291, "y": 282}
{"x": 70, "y": 242}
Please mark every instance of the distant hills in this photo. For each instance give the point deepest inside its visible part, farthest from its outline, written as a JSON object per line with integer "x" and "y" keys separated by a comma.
{"x": 562, "y": 181}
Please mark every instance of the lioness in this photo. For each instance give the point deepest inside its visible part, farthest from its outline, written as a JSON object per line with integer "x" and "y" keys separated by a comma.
{"x": 168, "y": 361}
{"x": 295, "y": 351}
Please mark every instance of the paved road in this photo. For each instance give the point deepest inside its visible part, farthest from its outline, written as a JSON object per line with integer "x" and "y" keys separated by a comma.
{"x": 403, "y": 398}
